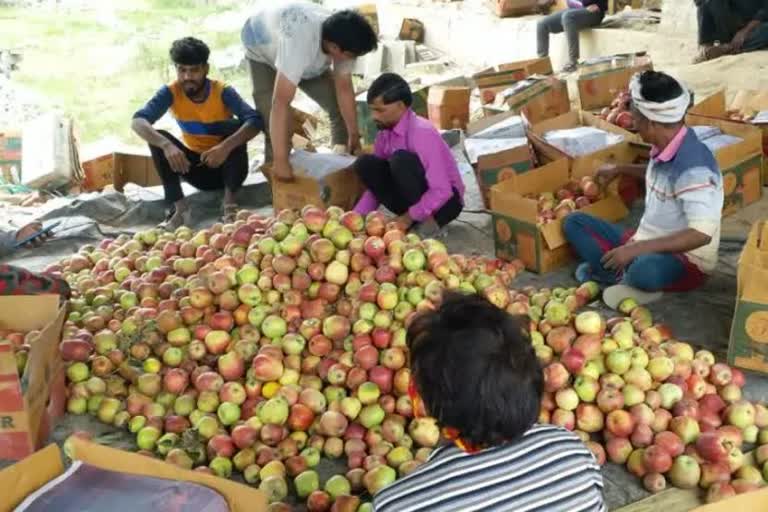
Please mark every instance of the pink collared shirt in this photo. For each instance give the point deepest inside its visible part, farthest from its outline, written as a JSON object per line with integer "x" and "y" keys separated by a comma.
{"x": 669, "y": 152}
{"x": 417, "y": 135}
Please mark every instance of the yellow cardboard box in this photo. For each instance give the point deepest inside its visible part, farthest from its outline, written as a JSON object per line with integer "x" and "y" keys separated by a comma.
{"x": 25, "y": 477}
{"x": 25, "y": 411}
{"x": 599, "y": 84}
{"x": 548, "y": 153}
{"x": 744, "y": 102}
{"x": 542, "y": 248}
{"x": 497, "y": 78}
{"x": 741, "y": 164}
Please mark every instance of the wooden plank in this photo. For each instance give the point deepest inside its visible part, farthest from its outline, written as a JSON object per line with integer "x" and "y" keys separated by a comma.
{"x": 670, "y": 500}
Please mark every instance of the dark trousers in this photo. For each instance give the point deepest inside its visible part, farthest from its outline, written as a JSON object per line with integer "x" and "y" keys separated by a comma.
{"x": 230, "y": 175}
{"x": 719, "y": 20}
{"x": 570, "y": 21}
{"x": 399, "y": 182}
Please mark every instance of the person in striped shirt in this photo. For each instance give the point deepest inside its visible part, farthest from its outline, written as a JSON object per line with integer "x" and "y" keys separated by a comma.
{"x": 475, "y": 371}
{"x": 216, "y": 124}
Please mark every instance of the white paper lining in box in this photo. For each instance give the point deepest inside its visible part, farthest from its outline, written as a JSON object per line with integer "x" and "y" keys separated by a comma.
{"x": 510, "y": 128}
{"x": 319, "y": 165}
{"x": 582, "y": 140}
{"x": 476, "y": 148}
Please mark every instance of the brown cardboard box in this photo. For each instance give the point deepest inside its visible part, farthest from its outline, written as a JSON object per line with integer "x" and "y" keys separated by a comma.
{"x": 544, "y": 100}
{"x": 599, "y": 84}
{"x": 27, "y": 476}
{"x": 497, "y": 78}
{"x": 744, "y": 102}
{"x": 755, "y": 500}
{"x": 507, "y": 8}
{"x": 338, "y": 188}
{"x": 448, "y": 106}
{"x": 548, "y": 153}
{"x": 119, "y": 168}
{"x": 748, "y": 344}
{"x": 515, "y": 217}
{"x": 412, "y": 30}
{"x": 25, "y": 413}
{"x": 741, "y": 164}
{"x": 497, "y": 167}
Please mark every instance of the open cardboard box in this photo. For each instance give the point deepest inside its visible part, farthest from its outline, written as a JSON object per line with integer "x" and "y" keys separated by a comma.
{"x": 542, "y": 248}
{"x": 549, "y": 153}
{"x": 717, "y": 107}
{"x": 507, "y": 8}
{"x": 741, "y": 163}
{"x": 25, "y": 477}
{"x": 748, "y": 344}
{"x": 599, "y": 84}
{"x": 497, "y": 78}
{"x": 339, "y": 188}
{"x": 118, "y": 168}
{"x": 29, "y": 404}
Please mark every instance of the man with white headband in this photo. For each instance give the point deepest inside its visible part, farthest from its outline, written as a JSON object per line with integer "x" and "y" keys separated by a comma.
{"x": 675, "y": 245}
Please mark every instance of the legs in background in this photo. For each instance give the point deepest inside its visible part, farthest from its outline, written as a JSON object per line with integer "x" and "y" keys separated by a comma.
{"x": 322, "y": 90}
{"x": 570, "y": 21}
{"x": 263, "y": 82}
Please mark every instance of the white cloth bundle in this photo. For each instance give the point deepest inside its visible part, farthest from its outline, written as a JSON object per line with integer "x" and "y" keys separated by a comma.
{"x": 669, "y": 112}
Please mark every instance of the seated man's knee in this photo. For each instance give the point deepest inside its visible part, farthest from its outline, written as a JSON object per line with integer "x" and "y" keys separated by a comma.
{"x": 644, "y": 274}
{"x": 404, "y": 160}
{"x": 574, "y": 222}
{"x": 367, "y": 163}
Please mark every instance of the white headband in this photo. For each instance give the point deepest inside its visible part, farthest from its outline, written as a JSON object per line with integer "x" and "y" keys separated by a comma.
{"x": 671, "y": 111}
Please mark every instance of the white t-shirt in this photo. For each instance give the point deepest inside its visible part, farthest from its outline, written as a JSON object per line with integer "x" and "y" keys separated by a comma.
{"x": 288, "y": 38}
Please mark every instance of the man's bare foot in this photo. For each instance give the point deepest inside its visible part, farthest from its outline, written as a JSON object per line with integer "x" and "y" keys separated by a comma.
{"x": 707, "y": 53}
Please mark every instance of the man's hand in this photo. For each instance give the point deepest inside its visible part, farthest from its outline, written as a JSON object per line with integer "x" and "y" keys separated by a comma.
{"x": 617, "y": 259}
{"x": 593, "y": 8}
{"x": 353, "y": 144}
{"x": 29, "y": 230}
{"x": 404, "y": 221}
{"x": 606, "y": 173}
{"x": 282, "y": 171}
{"x": 176, "y": 158}
{"x": 738, "y": 40}
{"x": 215, "y": 156}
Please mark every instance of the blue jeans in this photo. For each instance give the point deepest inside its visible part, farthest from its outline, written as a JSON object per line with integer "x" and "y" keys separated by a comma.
{"x": 591, "y": 238}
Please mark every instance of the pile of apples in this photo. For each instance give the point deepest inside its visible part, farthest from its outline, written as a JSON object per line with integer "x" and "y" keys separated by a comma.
{"x": 618, "y": 112}
{"x": 573, "y": 196}
{"x": 638, "y": 397}
{"x": 20, "y": 341}
{"x": 261, "y": 346}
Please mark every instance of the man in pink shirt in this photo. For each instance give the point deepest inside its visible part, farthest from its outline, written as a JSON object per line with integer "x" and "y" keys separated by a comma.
{"x": 411, "y": 171}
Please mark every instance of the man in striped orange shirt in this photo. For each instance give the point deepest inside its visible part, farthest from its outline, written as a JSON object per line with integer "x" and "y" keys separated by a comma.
{"x": 215, "y": 123}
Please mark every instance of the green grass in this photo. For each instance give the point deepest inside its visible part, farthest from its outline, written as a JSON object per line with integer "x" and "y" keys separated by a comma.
{"x": 99, "y": 74}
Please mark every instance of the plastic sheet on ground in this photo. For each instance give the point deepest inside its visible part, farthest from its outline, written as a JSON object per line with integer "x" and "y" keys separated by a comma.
{"x": 85, "y": 487}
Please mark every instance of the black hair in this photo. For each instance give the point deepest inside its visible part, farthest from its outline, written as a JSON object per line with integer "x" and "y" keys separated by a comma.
{"x": 350, "y": 31}
{"x": 189, "y": 51}
{"x": 659, "y": 87}
{"x": 390, "y": 87}
{"x": 475, "y": 369}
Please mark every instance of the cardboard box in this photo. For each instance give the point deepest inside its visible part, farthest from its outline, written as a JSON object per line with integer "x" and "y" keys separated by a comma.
{"x": 497, "y": 78}
{"x": 412, "y": 30}
{"x": 25, "y": 412}
{"x": 50, "y": 157}
{"x": 754, "y": 500}
{"x": 498, "y": 167}
{"x": 628, "y": 188}
{"x": 741, "y": 164}
{"x": 549, "y": 153}
{"x": 27, "y": 476}
{"x": 544, "y": 100}
{"x": 515, "y": 217}
{"x": 743, "y": 102}
{"x": 10, "y": 156}
{"x": 748, "y": 344}
{"x": 448, "y": 106}
{"x": 118, "y": 168}
{"x": 507, "y": 8}
{"x": 338, "y": 187}
{"x": 599, "y": 84}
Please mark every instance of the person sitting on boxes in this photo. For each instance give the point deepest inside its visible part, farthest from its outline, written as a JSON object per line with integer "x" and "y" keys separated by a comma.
{"x": 498, "y": 456}
{"x": 213, "y": 155}
{"x": 737, "y": 25}
{"x": 677, "y": 241}
{"x": 412, "y": 170}
{"x": 303, "y": 45}
{"x": 580, "y": 15}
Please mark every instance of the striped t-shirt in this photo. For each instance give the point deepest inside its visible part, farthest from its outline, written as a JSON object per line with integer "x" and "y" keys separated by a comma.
{"x": 548, "y": 469}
